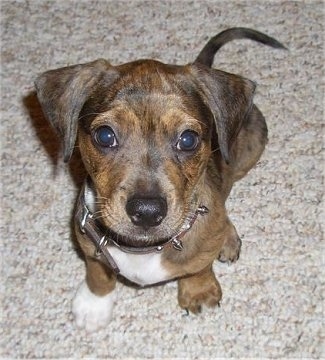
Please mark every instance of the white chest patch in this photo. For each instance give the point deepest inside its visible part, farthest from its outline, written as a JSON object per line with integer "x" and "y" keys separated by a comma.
{"x": 141, "y": 269}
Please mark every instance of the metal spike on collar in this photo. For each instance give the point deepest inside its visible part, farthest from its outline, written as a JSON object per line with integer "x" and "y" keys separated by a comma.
{"x": 177, "y": 244}
{"x": 202, "y": 210}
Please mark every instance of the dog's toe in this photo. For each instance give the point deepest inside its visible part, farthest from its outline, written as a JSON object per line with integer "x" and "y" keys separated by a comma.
{"x": 92, "y": 312}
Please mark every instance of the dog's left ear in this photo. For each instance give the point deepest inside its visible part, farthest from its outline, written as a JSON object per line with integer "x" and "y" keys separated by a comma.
{"x": 229, "y": 98}
{"x": 63, "y": 92}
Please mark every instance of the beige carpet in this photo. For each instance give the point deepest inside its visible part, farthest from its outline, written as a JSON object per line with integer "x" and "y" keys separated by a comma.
{"x": 273, "y": 304}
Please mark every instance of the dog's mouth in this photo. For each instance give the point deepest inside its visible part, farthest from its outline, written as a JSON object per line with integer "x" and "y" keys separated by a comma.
{"x": 135, "y": 238}
{"x": 135, "y": 241}
{"x": 146, "y": 240}
{"x": 103, "y": 237}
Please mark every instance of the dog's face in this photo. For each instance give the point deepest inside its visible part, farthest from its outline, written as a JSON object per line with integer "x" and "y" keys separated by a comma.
{"x": 146, "y": 132}
{"x": 146, "y": 147}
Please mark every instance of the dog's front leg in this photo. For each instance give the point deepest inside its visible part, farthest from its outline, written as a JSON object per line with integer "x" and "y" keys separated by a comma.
{"x": 94, "y": 300}
{"x": 199, "y": 289}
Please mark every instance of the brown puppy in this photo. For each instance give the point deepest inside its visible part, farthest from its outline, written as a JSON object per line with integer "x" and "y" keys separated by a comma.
{"x": 163, "y": 145}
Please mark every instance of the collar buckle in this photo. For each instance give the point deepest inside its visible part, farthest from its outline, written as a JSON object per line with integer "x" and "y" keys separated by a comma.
{"x": 84, "y": 217}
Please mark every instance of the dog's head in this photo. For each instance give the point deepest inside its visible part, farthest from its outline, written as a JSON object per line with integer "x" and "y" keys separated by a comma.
{"x": 146, "y": 132}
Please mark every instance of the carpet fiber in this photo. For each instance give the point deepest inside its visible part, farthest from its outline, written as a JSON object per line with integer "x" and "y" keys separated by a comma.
{"x": 273, "y": 298}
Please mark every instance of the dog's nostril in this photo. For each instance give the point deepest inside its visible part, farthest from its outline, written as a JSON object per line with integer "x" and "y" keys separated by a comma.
{"x": 146, "y": 212}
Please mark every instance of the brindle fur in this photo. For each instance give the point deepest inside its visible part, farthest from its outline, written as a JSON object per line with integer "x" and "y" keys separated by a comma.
{"x": 149, "y": 104}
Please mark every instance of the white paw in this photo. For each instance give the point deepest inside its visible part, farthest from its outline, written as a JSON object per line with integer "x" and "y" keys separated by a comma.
{"x": 92, "y": 312}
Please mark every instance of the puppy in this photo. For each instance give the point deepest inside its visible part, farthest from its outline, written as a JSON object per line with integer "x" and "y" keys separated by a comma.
{"x": 162, "y": 145}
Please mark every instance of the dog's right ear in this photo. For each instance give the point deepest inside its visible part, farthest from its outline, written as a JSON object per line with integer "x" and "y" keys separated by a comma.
{"x": 63, "y": 92}
{"x": 229, "y": 98}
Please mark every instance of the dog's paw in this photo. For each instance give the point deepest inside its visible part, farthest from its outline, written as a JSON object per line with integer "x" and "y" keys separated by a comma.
{"x": 92, "y": 312}
{"x": 231, "y": 248}
{"x": 193, "y": 298}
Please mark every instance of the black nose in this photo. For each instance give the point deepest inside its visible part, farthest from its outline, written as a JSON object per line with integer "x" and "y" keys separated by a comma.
{"x": 146, "y": 212}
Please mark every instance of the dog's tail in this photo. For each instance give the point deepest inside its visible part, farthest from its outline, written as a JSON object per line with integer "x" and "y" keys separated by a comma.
{"x": 206, "y": 56}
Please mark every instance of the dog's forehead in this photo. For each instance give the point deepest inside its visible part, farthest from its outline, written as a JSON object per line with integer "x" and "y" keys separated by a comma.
{"x": 152, "y": 114}
{"x": 143, "y": 79}
{"x": 149, "y": 95}
{"x": 150, "y": 71}
{"x": 155, "y": 91}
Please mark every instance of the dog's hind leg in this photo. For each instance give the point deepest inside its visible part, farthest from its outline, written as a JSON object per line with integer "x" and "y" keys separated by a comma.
{"x": 246, "y": 151}
{"x": 231, "y": 247}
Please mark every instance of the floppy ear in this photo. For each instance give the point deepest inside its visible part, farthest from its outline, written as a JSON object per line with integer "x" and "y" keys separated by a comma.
{"x": 63, "y": 92}
{"x": 229, "y": 98}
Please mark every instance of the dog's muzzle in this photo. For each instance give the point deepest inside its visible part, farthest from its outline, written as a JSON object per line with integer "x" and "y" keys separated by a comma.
{"x": 103, "y": 237}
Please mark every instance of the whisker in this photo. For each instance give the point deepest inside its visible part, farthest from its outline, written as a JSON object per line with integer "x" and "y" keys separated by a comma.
{"x": 217, "y": 149}
{"x": 98, "y": 213}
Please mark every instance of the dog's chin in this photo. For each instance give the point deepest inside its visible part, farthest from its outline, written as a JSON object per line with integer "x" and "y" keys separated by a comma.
{"x": 141, "y": 238}
{"x": 135, "y": 236}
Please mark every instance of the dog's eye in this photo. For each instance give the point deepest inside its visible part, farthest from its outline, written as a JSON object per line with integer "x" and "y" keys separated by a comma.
{"x": 188, "y": 141}
{"x": 105, "y": 137}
